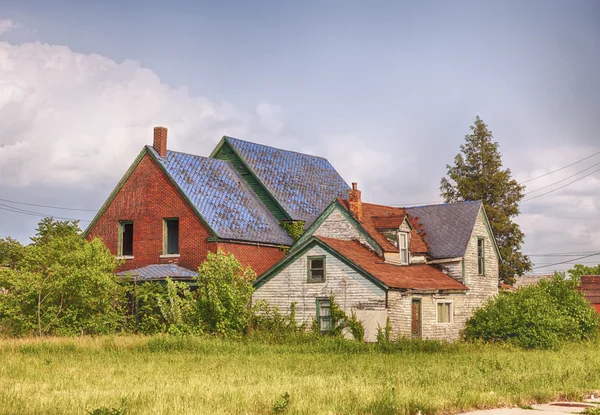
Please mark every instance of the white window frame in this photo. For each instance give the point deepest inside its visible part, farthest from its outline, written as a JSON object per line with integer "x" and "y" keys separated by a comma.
{"x": 403, "y": 236}
{"x": 437, "y": 311}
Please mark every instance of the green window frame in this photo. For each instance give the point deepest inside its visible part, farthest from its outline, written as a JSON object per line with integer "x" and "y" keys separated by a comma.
{"x": 481, "y": 256}
{"x": 171, "y": 236}
{"x": 324, "y": 314}
{"x": 316, "y": 268}
{"x": 125, "y": 248}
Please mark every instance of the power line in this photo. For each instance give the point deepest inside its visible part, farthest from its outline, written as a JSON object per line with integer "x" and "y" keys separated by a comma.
{"x": 32, "y": 213}
{"x": 561, "y": 187}
{"x": 47, "y": 206}
{"x": 562, "y": 254}
{"x": 562, "y": 180}
{"x": 562, "y": 168}
{"x": 564, "y": 262}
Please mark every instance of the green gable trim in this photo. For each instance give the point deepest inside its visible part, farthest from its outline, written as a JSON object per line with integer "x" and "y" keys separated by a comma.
{"x": 323, "y": 217}
{"x": 226, "y": 152}
{"x": 116, "y": 190}
{"x": 489, "y": 229}
{"x": 312, "y": 242}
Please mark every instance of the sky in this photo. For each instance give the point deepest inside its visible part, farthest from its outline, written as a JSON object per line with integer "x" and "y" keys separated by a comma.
{"x": 386, "y": 90}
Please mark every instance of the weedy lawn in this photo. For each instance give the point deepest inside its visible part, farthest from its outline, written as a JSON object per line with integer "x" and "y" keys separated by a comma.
{"x": 196, "y": 375}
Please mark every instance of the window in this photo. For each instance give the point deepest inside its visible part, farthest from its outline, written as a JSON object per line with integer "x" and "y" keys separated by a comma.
{"x": 316, "y": 269}
{"x": 171, "y": 237}
{"x": 403, "y": 247}
{"x": 444, "y": 312}
{"x": 324, "y": 314}
{"x": 481, "y": 256}
{"x": 126, "y": 238}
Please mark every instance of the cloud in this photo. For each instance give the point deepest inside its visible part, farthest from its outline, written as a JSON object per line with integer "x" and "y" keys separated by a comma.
{"x": 6, "y": 25}
{"x": 68, "y": 118}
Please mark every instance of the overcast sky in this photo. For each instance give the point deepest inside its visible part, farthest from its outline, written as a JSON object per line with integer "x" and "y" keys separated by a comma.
{"x": 386, "y": 90}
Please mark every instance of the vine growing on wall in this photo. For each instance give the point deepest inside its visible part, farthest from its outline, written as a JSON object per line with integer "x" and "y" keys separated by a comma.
{"x": 295, "y": 229}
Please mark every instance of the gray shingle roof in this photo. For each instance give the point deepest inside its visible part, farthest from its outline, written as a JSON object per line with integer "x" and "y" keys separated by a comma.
{"x": 448, "y": 227}
{"x": 223, "y": 199}
{"x": 304, "y": 185}
{"x": 160, "y": 272}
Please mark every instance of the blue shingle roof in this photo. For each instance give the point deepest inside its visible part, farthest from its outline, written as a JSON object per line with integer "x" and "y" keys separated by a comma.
{"x": 304, "y": 185}
{"x": 448, "y": 227}
{"x": 222, "y": 198}
{"x": 160, "y": 272}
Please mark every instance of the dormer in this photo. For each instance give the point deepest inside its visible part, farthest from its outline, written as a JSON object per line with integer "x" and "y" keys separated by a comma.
{"x": 396, "y": 229}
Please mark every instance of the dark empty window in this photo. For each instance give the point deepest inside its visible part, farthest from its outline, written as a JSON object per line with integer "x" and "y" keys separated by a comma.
{"x": 324, "y": 314}
{"x": 316, "y": 269}
{"x": 126, "y": 238}
{"x": 171, "y": 236}
{"x": 481, "y": 256}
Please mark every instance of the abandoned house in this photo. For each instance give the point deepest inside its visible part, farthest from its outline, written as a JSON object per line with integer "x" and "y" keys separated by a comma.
{"x": 174, "y": 208}
{"x": 426, "y": 269}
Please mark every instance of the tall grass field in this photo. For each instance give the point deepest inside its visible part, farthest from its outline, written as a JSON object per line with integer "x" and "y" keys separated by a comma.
{"x": 199, "y": 375}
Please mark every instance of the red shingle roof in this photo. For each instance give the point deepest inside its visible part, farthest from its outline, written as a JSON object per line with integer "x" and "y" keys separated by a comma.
{"x": 394, "y": 276}
{"x": 381, "y": 217}
{"x": 590, "y": 287}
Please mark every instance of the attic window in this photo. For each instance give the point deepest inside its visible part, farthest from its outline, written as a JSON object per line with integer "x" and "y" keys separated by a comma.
{"x": 125, "y": 238}
{"x": 316, "y": 269}
{"x": 403, "y": 247}
{"x": 481, "y": 256}
{"x": 171, "y": 237}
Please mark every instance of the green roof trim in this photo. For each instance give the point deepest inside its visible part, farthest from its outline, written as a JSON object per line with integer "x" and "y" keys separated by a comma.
{"x": 489, "y": 229}
{"x": 323, "y": 217}
{"x": 310, "y": 243}
{"x": 226, "y": 152}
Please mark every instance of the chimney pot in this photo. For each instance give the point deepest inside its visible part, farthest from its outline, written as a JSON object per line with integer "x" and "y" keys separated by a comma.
{"x": 160, "y": 141}
{"x": 355, "y": 202}
{"x": 354, "y": 186}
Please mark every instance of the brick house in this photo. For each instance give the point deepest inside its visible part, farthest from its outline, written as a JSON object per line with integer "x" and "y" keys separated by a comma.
{"x": 174, "y": 208}
{"x": 426, "y": 268}
{"x": 590, "y": 288}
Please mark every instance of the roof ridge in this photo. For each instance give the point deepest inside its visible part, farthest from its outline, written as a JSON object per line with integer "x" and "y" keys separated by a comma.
{"x": 277, "y": 148}
{"x": 464, "y": 202}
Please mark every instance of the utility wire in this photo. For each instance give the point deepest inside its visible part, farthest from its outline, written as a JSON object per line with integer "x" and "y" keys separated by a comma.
{"x": 564, "y": 262}
{"x": 562, "y": 168}
{"x": 47, "y": 206}
{"x": 562, "y": 180}
{"x": 32, "y": 213}
{"x": 561, "y": 187}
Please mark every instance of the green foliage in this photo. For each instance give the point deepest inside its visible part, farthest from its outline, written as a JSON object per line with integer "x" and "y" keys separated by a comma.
{"x": 384, "y": 334}
{"x": 281, "y": 404}
{"x": 147, "y": 317}
{"x": 11, "y": 252}
{"x": 267, "y": 318}
{"x": 104, "y": 410}
{"x": 477, "y": 174}
{"x": 295, "y": 229}
{"x": 542, "y": 315}
{"x": 179, "y": 309}
{"x": 578, "y": 270}
{"x": 338, "y": 318}
{"x": 63, "y": 285}
{"x": 225, "y": 288}
{"x": 356, "y": 327}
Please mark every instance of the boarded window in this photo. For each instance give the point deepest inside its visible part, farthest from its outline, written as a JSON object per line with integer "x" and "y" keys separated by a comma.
{"x": 416, "y": 318}
{"x": 403, "y": 246}
{"x": 125, "y": 238}
{"x": 316, "y": 269}
{"x": 171, "y": 241}
{"x": 481, "y": 256}
{"x": 444, "y": 312}
{"x": 324, "y": 314}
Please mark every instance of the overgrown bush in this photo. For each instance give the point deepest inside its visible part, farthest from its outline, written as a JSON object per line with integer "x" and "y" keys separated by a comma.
{"x": 224, "y": 291}
{"x": 356, "y": 327}
{"x": 268, "y": 319}
{"x": 537, "y": 316}
{"x": 61, "y": 285}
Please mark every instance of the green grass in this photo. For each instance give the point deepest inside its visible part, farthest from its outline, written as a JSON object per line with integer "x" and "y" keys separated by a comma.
{"x": 169, "y": 375}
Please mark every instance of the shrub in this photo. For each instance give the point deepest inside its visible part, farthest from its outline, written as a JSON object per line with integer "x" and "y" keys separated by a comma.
{"x": 384, "y": 334}
{"x": 224, "y": 291}
{"x": 178, "y": 309}
{"x": 268, "y": 319}
{"x": 537, "y": 316}
{"x": 356, "y": 327}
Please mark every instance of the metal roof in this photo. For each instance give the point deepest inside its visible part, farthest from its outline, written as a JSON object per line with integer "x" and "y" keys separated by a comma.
{"x": 304, "y": 185}
{"x": 160, "y": 272}
{"x": 223, "y": 199}
{"x": 448, "y": 227}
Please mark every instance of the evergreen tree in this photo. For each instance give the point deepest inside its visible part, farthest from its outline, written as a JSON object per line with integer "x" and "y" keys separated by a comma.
{"x": 477, "y": 174}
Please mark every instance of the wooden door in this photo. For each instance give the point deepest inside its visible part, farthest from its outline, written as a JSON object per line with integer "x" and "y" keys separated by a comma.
{"x": 416, "y": 318}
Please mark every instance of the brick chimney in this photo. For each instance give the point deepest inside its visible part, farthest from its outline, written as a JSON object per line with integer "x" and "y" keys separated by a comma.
{"x": 355, "y": 202}
{"x": 160, "y": 141}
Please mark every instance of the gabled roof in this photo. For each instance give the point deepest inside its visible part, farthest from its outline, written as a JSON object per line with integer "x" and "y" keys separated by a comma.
{"x": 394, "y": 276}
{"x": 371, "y": 266}
{"x": 222, "y": 198}
{"x": 375, "y": 216}
{"x": 446, "y": 228}
{"x": 303, "y": 185}
{"x": 160, "y": 272}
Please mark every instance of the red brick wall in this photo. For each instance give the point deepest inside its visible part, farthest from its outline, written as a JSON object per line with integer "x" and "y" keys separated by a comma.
{"x": 260, "y": 258}
{"x": 147, "y": 198}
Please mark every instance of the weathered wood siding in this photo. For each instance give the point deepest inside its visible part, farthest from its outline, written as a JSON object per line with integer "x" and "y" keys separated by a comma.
{"x": 337, "y": 226}
{"x": 350, "y": 289}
